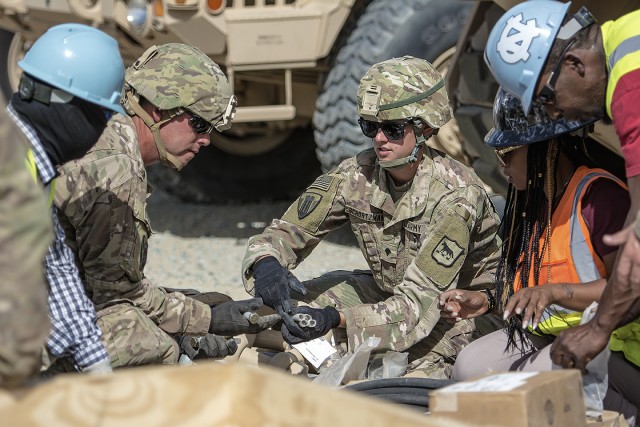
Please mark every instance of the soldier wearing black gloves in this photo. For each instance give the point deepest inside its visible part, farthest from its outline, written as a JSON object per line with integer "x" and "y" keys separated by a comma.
{"x": 325, "y": 319}
{"x": 423, "y": 222}
{"x": 227, "y": 319}
{"x": 209, "y": 346}
{"x": 272, "y": 283}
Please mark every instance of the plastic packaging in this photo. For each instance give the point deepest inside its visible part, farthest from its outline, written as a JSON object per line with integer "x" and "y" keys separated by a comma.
{"x": 595, "y": 382}
{"x": 349, "y": 368}
{"x": 391, "y": 364}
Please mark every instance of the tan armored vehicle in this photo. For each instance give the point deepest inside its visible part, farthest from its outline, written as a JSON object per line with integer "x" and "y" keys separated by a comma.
{"x": 284, "y": 57}
{"x": 295, "y": 66}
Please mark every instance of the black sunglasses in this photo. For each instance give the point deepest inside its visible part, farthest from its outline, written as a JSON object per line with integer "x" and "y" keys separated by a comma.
{"x": 392, "y": 130}
{"x": 547, "y": 94}
{"x": 199, "y": 125}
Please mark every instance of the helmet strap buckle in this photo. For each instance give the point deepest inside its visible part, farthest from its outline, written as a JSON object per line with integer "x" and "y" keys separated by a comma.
{"x": 421, "y": 140}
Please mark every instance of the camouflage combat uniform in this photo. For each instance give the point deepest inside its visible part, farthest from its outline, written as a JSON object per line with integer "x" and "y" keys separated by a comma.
{"x": 430, "y": 234}
{"x": 102, "y": 198}
{"x": 25, "y": 234}
{"x": 440, "y": 235}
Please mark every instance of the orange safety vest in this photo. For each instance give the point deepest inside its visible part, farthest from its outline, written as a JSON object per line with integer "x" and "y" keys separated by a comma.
{"x": 573, "y": 257}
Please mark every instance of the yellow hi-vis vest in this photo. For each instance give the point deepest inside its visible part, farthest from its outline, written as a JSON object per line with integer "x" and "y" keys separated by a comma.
{"x": 573, "y": 257}
{"x": 621, "y": 40}
{"x": 33, "y": 169}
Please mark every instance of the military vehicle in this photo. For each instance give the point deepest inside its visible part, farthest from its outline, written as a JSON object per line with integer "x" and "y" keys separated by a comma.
{"x": 295, "y": 67}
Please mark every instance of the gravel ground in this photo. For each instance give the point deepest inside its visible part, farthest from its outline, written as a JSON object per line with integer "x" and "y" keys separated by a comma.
{"x": 202, "y": 246}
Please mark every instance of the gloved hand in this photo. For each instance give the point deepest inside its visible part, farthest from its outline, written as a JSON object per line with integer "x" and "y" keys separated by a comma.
{"x": 207, "y": 347}
{"x": 227, "y": 319}
{"x": 273, "y": 282}
{"x": 326, "y": 319}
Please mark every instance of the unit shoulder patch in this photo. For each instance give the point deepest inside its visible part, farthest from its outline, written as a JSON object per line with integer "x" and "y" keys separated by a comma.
{"x": 307, "y": 203}
{"x": 446, "y": 252}
{"x": 313, "y": 206}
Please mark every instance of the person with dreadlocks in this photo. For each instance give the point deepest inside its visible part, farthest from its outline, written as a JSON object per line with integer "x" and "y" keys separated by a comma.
{"x": 578, "y": 68}
{"x": 553, "y": 263}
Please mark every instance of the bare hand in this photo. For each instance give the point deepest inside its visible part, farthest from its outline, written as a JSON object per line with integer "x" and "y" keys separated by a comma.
{"x": 530, "y": 304}
{"x": 577, "y": 346}
{"x": 458, "y": 304}
{"x": 627, "y": 268}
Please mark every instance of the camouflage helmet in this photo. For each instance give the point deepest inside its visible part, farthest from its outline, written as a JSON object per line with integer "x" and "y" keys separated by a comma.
{"x": 513, "y": 128}
{"x": 401, "y": 88}
{"x": 178, "y": 76}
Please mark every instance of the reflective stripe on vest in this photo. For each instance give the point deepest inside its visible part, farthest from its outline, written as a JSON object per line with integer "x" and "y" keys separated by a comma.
{"x": 621, "y": 41}
{"x": 573, "y": 263}
{"x": 33, "y": 170}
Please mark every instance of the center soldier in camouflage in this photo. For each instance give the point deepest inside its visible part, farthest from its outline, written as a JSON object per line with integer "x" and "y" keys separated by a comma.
{"x": 423, "y": 221}
{"x": 174, "y": 96}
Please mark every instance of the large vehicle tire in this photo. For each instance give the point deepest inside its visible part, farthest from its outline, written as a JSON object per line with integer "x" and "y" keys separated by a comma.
{"x": 216, "y": 176}
{"x": 425, "y": 29}
{"x": 267, "y": 167}
{"x": 11, "y": 51}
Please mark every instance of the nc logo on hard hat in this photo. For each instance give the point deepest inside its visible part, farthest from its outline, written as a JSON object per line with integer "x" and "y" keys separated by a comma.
{"x": 516, "y": 39}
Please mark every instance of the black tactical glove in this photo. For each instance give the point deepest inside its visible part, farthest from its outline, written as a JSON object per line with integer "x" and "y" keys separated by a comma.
{"x": 207, "y": 347}
{"x": 227, "y": 319}
{"x": 325, "y": 319}
{"x": 273, "y": 282}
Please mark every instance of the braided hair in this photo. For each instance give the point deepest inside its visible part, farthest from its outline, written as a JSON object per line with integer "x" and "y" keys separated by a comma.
{"x": 527, "y": 216}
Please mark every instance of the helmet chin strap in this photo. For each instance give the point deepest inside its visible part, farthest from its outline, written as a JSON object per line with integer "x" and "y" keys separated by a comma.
{"x": 166, "y": 158}
{"x": 411, "y": 158}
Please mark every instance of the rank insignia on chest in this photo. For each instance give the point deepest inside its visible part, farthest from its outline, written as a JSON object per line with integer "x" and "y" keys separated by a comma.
{"x": 446, "y": 252}
{"x": 307, "y": 203}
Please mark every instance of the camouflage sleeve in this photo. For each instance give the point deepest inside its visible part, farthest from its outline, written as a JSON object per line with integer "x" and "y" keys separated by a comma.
{"x": 479, "y": 269}
{"x": 456, "y": 242}
{"x": 173, "y": 312}
{"x": 25, "y": 234}
{"x": 110, "y": 233}
{"x": 291, "y": 239}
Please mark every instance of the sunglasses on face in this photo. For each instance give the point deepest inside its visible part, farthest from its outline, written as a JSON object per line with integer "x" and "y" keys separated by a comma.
{"x": 547, "y": 94}
{"x": 503, "y": 154}
{"x": 392, "y": 130}
{"x": 199, "y": 125}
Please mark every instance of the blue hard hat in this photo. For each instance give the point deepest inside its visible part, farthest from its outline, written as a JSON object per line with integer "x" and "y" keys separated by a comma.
{"x": 519, "y": 44}
{"x": 80, "y": 60}
{"x": 512, "y": 127}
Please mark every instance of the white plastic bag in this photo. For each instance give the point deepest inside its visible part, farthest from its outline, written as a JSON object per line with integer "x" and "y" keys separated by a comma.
{"x": 349, "y": 368}
{"x": 390, "y": 365}
{"x": 596, "y": 381}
